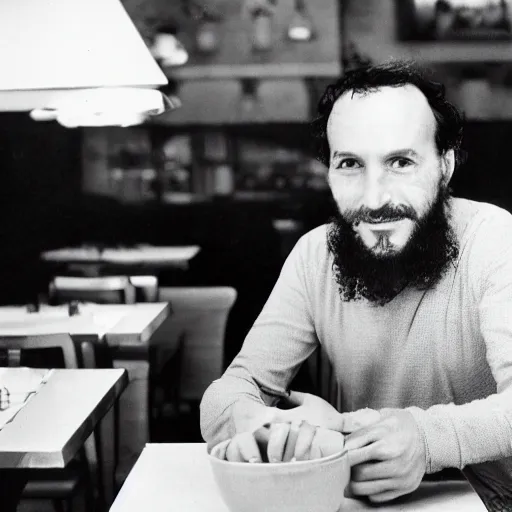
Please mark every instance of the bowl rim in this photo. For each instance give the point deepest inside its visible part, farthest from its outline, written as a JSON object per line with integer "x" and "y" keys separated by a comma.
{"x": 343, "y": 452}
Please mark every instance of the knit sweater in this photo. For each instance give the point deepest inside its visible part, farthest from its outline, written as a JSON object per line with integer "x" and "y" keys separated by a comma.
{"x": 444, "y": 353}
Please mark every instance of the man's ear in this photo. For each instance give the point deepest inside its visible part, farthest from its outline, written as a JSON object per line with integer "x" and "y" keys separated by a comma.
{"x": 448, "y": 164}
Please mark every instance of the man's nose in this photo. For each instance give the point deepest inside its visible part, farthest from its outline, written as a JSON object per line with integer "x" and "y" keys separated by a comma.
{"x": 375, "y": 193}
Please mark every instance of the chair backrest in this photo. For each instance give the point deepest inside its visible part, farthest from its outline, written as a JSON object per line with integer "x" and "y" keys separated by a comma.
{"x": 102, "y": 290}
{"x": 146, "y": 287}
{"x": 324, "y": 377}
{"x": 15, "y": 344}
{"x": 200, "y": 313}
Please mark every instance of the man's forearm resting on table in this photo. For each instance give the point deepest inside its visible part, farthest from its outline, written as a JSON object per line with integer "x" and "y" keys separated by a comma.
{"x": 455, "y": 435}
{"x": 459, "y": 435}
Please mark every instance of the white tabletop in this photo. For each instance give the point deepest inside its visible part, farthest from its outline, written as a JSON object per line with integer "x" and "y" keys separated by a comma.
{"x": 178, "y": 477}
{"x": 118, "y": 324}
{"x": 145, "y": 255}
{"x": 56, "y": 421}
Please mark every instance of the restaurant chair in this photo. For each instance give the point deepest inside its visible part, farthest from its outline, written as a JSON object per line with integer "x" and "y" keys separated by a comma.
{"x": 83, "y": 472}
{"x": 191, "y": 340}
{"x": 146, "y": 287}
{"x": 101, "y": 290}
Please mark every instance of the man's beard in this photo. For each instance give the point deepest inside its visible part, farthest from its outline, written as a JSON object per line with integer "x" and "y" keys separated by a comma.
{"x": 380, "y": 274}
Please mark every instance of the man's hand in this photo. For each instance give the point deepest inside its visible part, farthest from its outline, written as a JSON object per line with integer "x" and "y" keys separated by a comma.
{"x": 291, "y": 433}
{"x": 317, "y": 411}
{"x": 284, "y": 442}
{"x": 388, "y": 458}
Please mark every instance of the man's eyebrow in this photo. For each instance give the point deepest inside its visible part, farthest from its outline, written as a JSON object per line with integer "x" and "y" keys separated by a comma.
{"x": 398, "y": 152}
{"x": 344, "y": 154}
{"x": 404, "y": 152}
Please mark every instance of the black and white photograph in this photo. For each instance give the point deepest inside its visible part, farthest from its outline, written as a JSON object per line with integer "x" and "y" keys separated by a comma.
{"x": 255, "y": 255}
{"x": 458, "y": 19}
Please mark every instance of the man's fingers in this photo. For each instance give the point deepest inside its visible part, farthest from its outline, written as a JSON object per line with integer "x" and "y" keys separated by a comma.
{"x": 373, "y": 487}
{"x": 277, "y": 441}
{"x": 328, "y": 441}
{"x": 293, "y": 434}
{"x": 385, "y": 496}
{"x": 243, "y": 448}
{"x": 360, "y": 455}
{"x": 261, "y": 436}
{"x": 352, "y": 421}
{"x": 374, "y": 471}
{"x": 222, "y": 451}
{"x": 363, "y": 437}
{"x": 233, "y": 451}
{"x": 305, "y": 438}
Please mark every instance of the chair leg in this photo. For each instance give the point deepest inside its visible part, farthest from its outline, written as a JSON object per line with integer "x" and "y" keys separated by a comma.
{"x": 59, "y": 506}
{"x": 117, "y": 442}
{"x": 89, "y": 499}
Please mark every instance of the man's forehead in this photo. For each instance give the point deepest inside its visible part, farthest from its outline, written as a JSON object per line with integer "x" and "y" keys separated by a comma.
{"x": 404, "y": 109}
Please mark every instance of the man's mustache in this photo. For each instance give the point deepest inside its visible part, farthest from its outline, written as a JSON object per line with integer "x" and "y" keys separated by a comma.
{"x": 386, "y": 213}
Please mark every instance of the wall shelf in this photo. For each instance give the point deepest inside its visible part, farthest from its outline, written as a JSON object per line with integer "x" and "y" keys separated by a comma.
{"x": 288, "y": 70}
{"x": 235, "y": 56}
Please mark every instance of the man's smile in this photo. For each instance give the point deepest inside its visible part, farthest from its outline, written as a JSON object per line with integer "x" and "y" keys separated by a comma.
{"x": 381, "y": 224}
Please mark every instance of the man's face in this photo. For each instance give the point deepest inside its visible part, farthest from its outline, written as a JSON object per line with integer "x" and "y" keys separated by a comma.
{"x": 385, "y": 170}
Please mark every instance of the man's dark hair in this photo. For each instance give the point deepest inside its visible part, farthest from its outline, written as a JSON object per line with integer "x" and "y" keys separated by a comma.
{"x": 392, "y": 74}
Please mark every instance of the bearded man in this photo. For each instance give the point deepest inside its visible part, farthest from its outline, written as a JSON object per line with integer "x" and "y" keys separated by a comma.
{"x": 409, "y": 294}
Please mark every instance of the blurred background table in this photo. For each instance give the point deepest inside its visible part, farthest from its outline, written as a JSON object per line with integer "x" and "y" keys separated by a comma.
{"x": 122, "y": 333}
{"x": 141, "y": 257}
{"x": 124, "y": 326}
{"x": 179, "y": 477}
{"x": 54, "y": 424}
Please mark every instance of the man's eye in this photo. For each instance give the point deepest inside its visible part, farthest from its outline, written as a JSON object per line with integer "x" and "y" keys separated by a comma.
{"x": 349, "y": 163}
{"x": 400, "y": 163}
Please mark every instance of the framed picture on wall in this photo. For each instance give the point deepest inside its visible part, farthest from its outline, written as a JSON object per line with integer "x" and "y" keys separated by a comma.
{"x": 437, "y": 20}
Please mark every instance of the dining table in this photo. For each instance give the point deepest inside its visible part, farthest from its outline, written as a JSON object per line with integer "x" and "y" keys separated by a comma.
{"x": 125, "y": 331}
{"x": 121, "y": 326}
{"x": 140, "y": 256}
{"x": 177, "y": 476}
{"x": 53, "y": 424}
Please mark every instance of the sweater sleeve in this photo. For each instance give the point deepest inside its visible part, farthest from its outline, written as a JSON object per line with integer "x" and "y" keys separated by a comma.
{"x": 480, "y": 431}
{"x": 282, "y": 337}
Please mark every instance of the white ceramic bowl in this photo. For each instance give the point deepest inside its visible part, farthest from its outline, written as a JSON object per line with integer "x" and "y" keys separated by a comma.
{"x": 316, "y": 485}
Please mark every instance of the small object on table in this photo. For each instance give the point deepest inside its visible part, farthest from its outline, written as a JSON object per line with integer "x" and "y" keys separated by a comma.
{"x": 73, "y": 309}
{"x": 33, "y": 307}
{"x": 5, "y": 399}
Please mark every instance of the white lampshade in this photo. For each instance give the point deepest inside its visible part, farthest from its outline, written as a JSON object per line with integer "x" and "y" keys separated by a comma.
{"x": 57, "y": 52}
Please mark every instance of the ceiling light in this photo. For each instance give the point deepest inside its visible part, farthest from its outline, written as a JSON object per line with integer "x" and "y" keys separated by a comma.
{"x": 168, "y": 49}
{"x": 109, "y": 106}
{"x": 301, "y": 26}
{"x": 76, "y": 61}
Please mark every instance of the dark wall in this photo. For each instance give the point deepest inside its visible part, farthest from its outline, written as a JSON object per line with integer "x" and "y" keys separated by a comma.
{"x": 40, "y": 180}
{"x": 487, "y": 174}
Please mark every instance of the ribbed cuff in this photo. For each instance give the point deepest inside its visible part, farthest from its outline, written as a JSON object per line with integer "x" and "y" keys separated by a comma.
{"x": 442, "y": 447}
